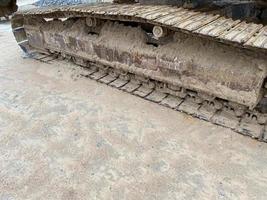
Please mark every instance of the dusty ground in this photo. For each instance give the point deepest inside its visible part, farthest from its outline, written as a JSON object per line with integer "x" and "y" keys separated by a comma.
{"x": 63, "y": 136}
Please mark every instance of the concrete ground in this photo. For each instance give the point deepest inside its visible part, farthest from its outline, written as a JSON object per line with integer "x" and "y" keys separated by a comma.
{"x": 63, "y": 136}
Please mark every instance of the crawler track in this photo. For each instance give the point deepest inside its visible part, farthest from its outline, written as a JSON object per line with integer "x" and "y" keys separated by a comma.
{"x": 118, "y": 69}
{"x": 215, "y": 27}
{"x": 152, "y": 91}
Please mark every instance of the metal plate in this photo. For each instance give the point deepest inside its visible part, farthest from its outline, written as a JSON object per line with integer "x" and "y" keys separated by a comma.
{"x": 197, "y": 21}
{"x": 259, "y": 40}
{"x": 217, "y": 27}
{"x": 241, "y": 32}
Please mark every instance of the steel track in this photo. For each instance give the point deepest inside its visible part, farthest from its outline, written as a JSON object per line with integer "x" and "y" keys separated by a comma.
{"x": 245, "y": 35}
{"x": 150, "y": 90}
{"x": 215, "y": 27}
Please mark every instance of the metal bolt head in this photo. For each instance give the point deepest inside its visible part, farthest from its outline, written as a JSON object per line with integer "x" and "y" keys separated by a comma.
{"x": 91, "y": 22}
{"x": 158, "y": 31}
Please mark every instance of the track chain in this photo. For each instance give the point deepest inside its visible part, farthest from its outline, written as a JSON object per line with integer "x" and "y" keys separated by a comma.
{"x": 248, "y": 124}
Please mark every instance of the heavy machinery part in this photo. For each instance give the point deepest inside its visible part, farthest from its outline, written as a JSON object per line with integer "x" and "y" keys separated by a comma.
{"x": 166, "y": 96}
{"x": 203, "y": 59}
{"x": 44, "y": 3}
{"x": 7, "y": 7}
{"x": 249, "y": 10}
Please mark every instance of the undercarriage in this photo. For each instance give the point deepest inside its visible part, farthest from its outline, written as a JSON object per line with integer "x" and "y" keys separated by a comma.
{"x": 197, "y": 62}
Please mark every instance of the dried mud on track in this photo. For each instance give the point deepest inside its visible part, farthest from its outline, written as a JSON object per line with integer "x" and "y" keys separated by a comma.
{"x": 63, "y": 136}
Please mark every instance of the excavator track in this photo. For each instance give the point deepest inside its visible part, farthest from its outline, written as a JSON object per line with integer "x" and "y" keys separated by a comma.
{"x": 215, "y": 27}
{"x": 191, "y": 96}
